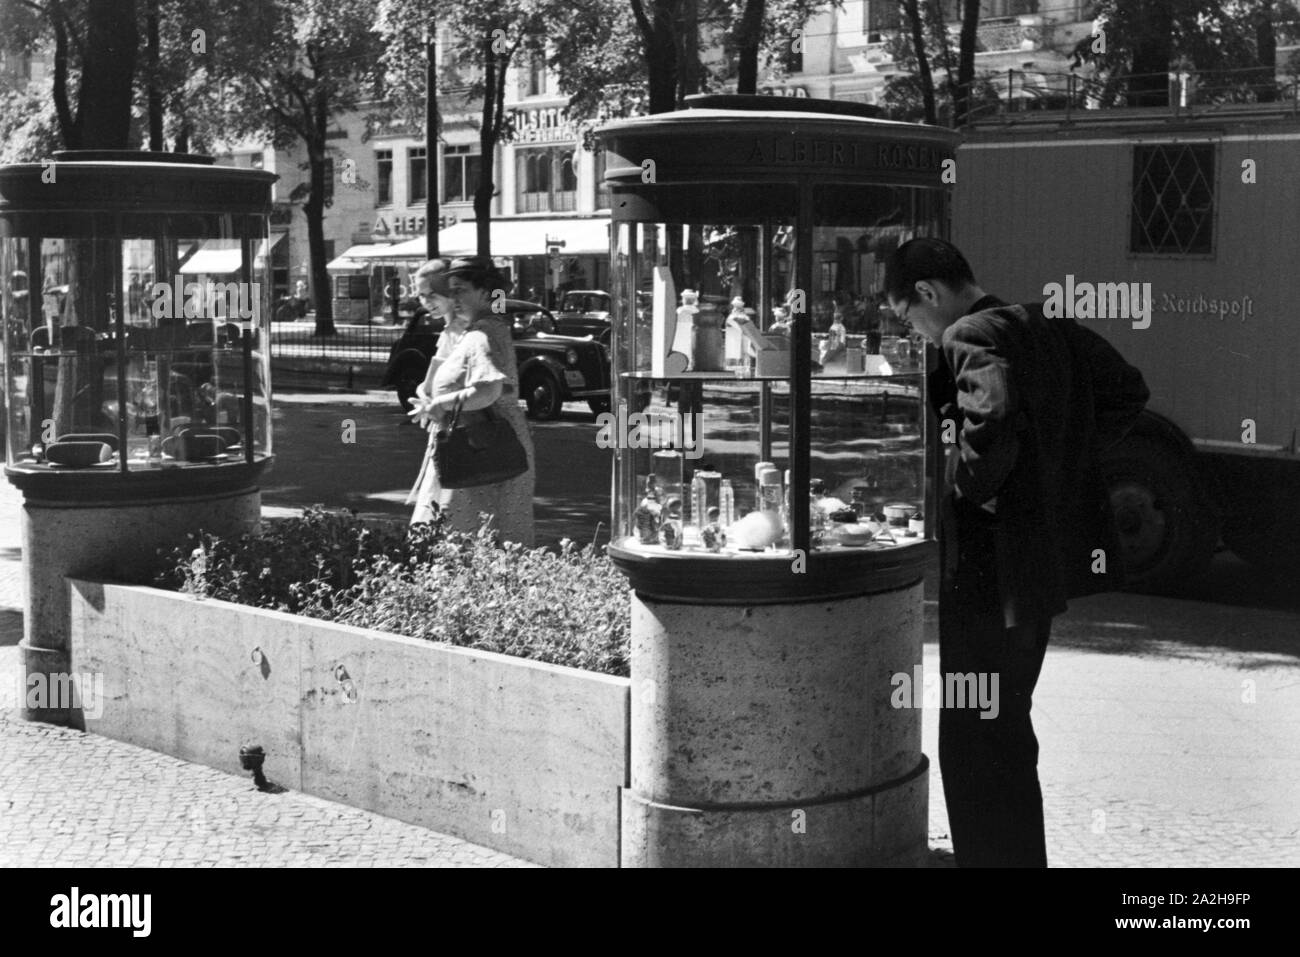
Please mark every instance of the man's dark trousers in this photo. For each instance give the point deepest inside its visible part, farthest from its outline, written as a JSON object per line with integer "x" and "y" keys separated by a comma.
{"x": 989, "y": 764}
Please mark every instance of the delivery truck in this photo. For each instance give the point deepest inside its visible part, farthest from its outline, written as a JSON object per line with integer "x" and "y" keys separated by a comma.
{"x": 1176, "y": 235}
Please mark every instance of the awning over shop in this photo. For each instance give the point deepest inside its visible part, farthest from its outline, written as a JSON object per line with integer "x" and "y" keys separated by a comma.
{"x": 357, "y": 257}
{"x": 513, "y": 237}
{"x": 221, "y": 257}
{"x": 216, "y": 257}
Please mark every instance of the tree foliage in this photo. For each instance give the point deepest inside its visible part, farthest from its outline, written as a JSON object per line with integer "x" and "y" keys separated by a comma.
{"x": 1233, "y": 41}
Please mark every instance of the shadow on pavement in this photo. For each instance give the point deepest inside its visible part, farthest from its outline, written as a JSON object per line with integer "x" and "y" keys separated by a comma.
{"x": 11, "y": 626}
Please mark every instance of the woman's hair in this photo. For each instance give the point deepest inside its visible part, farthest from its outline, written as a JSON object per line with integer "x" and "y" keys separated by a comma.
{"x": 434, "y": 272}
{"x": 478, "y": 271}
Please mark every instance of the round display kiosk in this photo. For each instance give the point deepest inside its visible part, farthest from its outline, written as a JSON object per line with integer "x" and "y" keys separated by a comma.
{"x": 135, "y": 296}
{"x": 774, "y": 466}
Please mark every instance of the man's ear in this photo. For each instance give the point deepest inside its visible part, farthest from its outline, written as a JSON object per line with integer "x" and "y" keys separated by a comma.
{"x": 928, "y": 290}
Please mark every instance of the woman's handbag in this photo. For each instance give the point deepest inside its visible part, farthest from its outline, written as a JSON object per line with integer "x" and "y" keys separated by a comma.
{"x": 481, "y": 449}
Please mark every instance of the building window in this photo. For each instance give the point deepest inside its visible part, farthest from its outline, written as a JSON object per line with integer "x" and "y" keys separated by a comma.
{"x": 602, "y": 188}
{"x": 791, "y": 58}
{"x": 882, "y": 18}
{"x": 384, "y": 177}
{"x": 537, "y": 77}
{"x": 547, "y": 180}
{"x": 1173, "y": 199}
{"x": 329, "y": 180}
{"x": 461, "y": 169}
{"x": 416, "y": 174}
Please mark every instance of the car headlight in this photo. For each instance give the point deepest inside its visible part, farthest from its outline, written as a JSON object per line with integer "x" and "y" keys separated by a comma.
{"x": 571, "y": 356}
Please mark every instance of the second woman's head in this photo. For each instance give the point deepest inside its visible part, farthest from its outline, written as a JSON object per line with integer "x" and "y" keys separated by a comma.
{"x": 431, "y": 287}
{"x": 474, "y": 283}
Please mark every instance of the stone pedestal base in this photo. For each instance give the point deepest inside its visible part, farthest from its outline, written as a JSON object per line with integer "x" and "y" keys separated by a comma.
{"x": 765, "y": 735}
{"x": 116, "y": 542}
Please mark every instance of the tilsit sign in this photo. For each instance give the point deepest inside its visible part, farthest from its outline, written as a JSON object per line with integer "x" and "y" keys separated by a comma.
{"x": 549, "y": 125}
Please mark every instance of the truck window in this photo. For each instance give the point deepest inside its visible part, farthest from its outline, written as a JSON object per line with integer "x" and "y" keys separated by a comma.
{"x": 1173, "y": 199}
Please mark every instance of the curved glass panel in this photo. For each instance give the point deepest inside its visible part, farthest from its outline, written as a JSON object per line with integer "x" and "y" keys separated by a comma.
{"x": 704, "y": 328}
{"x": 149, "y": 338}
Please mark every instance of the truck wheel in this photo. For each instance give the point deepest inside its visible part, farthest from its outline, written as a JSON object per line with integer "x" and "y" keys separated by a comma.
{"x": 598, "y": 406}
{"x": 1265, "y": 529}
{"x": 542, "y": 396}
{"x": 1167, "y": 528}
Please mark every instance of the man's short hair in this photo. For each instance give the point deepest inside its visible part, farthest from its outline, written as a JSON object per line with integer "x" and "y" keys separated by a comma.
{"x": 921, "y": 259}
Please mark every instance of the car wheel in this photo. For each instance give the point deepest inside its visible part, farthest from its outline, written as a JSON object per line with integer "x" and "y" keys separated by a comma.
{"x": 598, "y": 406}
{"x": 408, "y": 378}
{"x": 1167, "y": 528}
{"x": 542, "y": 396}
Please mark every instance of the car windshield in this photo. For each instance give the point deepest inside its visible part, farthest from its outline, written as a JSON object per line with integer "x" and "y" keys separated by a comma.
{"x": 586, "y": 302}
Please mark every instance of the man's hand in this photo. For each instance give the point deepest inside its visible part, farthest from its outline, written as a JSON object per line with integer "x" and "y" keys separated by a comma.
{"x": 991, "y": 506}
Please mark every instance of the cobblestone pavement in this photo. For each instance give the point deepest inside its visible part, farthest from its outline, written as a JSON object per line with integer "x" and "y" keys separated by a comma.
{"x": 1165, "y": 744}
{"x": 74, "y": 799}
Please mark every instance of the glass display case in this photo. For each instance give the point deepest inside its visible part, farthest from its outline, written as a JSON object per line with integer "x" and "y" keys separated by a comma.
{"x": 136, "y": 293}
{"x": 768, "y": 408}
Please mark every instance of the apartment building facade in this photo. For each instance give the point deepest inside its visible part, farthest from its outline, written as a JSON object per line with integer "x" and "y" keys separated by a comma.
{"x": 549, "y": 193}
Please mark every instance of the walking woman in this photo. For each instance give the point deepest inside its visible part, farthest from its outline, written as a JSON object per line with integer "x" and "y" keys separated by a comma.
{"x": 477, "y": 368}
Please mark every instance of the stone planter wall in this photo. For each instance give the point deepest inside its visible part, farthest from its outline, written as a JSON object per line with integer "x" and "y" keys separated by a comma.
{"x": 523, "y": 757}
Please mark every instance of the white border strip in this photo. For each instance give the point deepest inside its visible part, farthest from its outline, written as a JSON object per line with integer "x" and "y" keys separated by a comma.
{"x": 1136, "y": 138}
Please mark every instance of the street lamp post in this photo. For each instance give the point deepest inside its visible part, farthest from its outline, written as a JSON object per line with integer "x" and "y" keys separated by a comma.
{"x": 554, "y": 263}
{"x": 431, "y": 142}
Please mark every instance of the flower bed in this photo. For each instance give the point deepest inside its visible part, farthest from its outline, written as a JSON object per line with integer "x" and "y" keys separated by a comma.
{"x": 430, "y": 582}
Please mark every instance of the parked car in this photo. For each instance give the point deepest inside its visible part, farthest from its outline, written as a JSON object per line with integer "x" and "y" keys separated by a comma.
{"x": 584, "y": 312}
{"x": 553, "y": 369}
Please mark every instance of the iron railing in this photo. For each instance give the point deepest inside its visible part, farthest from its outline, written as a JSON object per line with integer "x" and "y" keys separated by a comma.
{"x": 351, "y": 342}
{"x": 1028, "y": 96}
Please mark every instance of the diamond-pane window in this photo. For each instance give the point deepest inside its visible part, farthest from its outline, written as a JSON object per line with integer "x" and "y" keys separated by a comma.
{"x": 1173, "y": 199}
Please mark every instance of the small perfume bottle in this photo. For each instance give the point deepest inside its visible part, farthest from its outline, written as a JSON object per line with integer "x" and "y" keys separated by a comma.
{"x": 713, "y": 534}
{"x": 154, "y": 439}
{"x": 647, "y": 514}
{"x": 668, "y": 466}
{"x": 727, "y": 504}
{"x": 816, "y": 514}
{"x": 859, "y": 502}
{"x": 670, "y": 529}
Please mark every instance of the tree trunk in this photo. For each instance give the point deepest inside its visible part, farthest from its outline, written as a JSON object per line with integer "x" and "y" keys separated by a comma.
{"x": 1265, "y": 81}
{"x": 104, "y": 103}
{"x": 689, "y": 52}
{"x": 923, "y": 74}
{"x": 487, "y": 146}
{"x": 68, "y": 128}
{"x": 154, "y": 92}
{"x": 751, "y": 30}
{"x": 659, "y": 50}
{"x": 961, "y": 95}
{"x": 314, "y": 210}
{"x": 1149, "y": 82}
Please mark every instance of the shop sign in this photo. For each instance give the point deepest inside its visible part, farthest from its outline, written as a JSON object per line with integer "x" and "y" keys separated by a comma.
{"x": 400, "y": 226}
{"x": 549, "y": 125}
{"x": 784, "y": 91}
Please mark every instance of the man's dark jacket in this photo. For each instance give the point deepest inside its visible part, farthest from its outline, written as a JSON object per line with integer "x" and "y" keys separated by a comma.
{"x": 1036, "y": 400}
